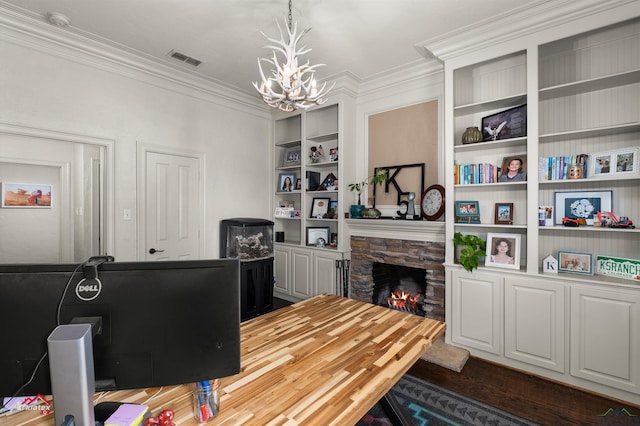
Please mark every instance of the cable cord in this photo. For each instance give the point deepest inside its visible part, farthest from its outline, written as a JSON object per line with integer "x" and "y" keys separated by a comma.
{"x": 64, "y": 292}
{"x": 35, "y": 370}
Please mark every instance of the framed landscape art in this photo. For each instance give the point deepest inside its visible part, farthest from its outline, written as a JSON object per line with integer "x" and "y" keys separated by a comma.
{"x": 26, "y": 195}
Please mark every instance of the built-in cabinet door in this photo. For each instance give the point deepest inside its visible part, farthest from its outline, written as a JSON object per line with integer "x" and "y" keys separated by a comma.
{"x": 477, "y": 310}
{"x": 324, "y": 272}
{"x": 535, "y": 322}
{"x": 605, "y": 336}
{"x": 301, "y": 273}
{"x": 281, "y": 270}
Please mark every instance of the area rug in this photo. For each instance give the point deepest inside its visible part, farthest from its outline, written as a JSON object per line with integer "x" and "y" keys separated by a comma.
{"x": 430, "y": 405}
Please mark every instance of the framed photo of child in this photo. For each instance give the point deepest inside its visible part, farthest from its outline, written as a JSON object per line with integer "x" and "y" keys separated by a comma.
{"x": 514, "y": 169}
{"x": 503, "y": 250}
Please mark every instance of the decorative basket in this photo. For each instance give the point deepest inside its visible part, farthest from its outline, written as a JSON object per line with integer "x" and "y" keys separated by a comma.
{"x": 471, "y": 135}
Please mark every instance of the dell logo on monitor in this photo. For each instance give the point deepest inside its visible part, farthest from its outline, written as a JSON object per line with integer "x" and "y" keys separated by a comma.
{"x": 88, "y": 289}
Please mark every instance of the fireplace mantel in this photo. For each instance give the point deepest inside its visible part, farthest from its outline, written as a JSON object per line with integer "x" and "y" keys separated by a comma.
{"x": 419, "y": 230}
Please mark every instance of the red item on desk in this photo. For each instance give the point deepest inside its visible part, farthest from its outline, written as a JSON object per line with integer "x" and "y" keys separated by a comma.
{"x": 165, "y": 418}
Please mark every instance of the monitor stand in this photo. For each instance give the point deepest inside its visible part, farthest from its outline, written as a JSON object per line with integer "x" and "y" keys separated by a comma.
{"x": 72, "y": 374}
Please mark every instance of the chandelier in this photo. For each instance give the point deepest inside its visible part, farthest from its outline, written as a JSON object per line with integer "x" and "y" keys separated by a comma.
{"x": 290, "y": 86}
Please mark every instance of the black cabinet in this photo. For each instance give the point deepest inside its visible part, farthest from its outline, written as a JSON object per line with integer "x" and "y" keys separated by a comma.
{"x": 251, "y": 241}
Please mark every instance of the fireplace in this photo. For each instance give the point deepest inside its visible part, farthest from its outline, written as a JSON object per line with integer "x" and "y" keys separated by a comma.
{"x": 425, "y": 256}
{"x": 399, "y": 287}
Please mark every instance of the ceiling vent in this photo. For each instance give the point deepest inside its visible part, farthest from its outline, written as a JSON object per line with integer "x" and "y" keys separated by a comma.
{"x": 185, "y": 58}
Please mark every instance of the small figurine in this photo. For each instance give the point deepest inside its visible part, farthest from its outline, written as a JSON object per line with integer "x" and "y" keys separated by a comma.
{"x": 315, "y": 155}
{"x": 494, "y": 132}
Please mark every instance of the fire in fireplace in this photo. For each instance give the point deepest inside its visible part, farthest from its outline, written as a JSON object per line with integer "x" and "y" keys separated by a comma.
{"x": 399, "y": 287}
{"x": 403, "y": 301}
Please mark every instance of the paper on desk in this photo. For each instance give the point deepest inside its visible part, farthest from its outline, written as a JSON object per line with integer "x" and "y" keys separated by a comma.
{"x": 12, "y": 404}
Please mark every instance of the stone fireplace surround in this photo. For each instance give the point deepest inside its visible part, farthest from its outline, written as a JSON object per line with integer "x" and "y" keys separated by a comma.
{"x": 410, "y": 249}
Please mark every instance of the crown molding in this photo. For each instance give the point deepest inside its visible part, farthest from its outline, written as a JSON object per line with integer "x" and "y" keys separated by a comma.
{"x": 71, "y": 44}
{"x": 419, "y": 72}
{"x": 526, "y": 20}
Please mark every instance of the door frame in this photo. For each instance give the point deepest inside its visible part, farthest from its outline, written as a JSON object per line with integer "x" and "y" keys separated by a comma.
{"x": 142, "y": 149}
{"x": 107, "y": 225}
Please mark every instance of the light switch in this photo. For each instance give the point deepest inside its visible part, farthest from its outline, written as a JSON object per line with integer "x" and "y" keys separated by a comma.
{"x": 127, "y": 214}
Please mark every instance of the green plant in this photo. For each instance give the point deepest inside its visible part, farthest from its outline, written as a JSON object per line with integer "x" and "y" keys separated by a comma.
{"x": 472, "y": 248}
{"x": 379, "y": 177}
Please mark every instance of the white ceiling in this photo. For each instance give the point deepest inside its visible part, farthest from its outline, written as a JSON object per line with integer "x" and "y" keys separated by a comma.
{"x": 363, "y": 38}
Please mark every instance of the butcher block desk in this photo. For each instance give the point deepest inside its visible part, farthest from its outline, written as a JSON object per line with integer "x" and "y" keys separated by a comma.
{"x": 325, "y": 360}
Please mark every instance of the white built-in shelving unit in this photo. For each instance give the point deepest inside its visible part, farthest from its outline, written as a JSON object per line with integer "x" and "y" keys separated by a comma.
{"x": 581, "y": 85}
{"x": 303, "y": 268}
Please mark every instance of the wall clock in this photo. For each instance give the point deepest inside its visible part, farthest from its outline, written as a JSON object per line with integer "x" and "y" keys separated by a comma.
{"x": 432, "y": 205}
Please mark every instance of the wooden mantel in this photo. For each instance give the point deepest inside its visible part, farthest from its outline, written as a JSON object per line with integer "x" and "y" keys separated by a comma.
{"x": 412, "y": 230}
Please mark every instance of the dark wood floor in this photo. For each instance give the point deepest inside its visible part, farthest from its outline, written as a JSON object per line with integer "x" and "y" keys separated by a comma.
{"x": 527, "y": 396}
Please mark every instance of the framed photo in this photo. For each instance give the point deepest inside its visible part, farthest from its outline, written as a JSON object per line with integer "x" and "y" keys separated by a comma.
{"x": 582, "y": 205}
{"x": 545, "y": 215}
{"x": 627, "y": 161}
{"x": 575, "y": 262}
{"x": 514, "y": 169}
{"x": 503, "y": 250}
{"x": 600, "y": 164}
{"x": 504, "y": 214}
{"x": 26, "y": 195}
{"x": 334, "y": 239}
{"x": 333, "y": 210}
{"x": 286, "y": 182}
{"x": 329, "y": 183}
{"x": 298, "y": 184}
{"x": 622, "y": 162}
{"x": 507, "y": 124}
{"x": 467, "y": 212}
{"x": 291, "y": 157}
{"x": 319, "y": 208}
{"x": 317, "y": 236}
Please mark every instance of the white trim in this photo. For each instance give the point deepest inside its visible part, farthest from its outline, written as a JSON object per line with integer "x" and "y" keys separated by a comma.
{"x": 530, "y": 19}
{"x": 81, "y": 47}
{"x": 108, "y": 188}
{"x": 397, "y": 229}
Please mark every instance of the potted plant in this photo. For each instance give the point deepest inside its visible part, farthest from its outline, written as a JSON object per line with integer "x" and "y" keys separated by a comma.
{"x": 379, "y": 177}
{"x": 471, "y": 247}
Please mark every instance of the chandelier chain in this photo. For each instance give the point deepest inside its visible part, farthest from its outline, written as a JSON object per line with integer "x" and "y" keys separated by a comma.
{"x": 290, "y": 16}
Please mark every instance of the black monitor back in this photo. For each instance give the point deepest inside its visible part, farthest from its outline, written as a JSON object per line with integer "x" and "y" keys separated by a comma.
{"x": 163, "y": 323}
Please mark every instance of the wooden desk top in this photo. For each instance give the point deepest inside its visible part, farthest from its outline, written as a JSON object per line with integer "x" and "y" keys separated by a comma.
{"x": 325, "y": 360}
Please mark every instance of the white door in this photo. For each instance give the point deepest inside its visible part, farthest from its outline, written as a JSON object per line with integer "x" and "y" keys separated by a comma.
{"x": 172, "y": 207}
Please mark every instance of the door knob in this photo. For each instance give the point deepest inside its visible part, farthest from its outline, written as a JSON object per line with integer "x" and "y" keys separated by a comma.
{"x": 152, "y": 250}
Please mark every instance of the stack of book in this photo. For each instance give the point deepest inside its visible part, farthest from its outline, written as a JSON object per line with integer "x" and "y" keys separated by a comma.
{"x": 558, "y": 168}
{"x": 467, "y": 174}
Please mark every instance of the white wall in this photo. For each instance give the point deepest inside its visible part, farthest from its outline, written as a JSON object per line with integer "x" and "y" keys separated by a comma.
{"x": 422, "y": 83}
{"x": 63, "y": 90}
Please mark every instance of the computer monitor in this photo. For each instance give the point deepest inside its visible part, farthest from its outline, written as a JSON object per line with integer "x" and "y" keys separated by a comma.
{"x": 162, "y": 323}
